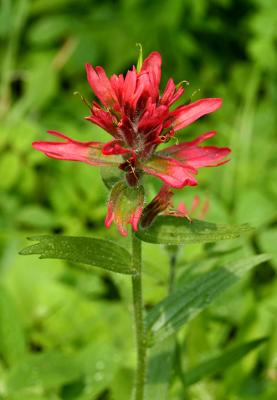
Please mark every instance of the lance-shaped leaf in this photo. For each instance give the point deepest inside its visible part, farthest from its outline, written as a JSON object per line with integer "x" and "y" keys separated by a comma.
{"x": 89, "y": 251}
{"x": 182, "y": 305}
{"x": 175, "y": 231}
{"x": 219, "y": 364}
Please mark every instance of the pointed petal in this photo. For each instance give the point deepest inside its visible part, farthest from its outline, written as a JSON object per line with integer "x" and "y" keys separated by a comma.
{"x": 204, "y": 209}
{"x": 152, "y": 65}
{"x": 103, "y": 119}
{"x": 185, "y": 115}
{"x": 101, "y": 85}
{"x": 172, "y": 172}
{"x": 150, "y": 75}
{"x": 117, "y": 84}
{"x": 130, "y": 83}
{"x": 177, "y": 148}
{"x": 195, "y": 203}
{"x": 182, "y": 209}
{"x": 152, "y": 117}
{"x": 196, "y": 156}
{"x": 73, "y": 150}
{"x": 209, "y": 156}
{"x": 171, "y": 94}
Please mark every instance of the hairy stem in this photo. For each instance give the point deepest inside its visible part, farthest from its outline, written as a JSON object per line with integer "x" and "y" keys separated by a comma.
{"x": 139, "y": 320}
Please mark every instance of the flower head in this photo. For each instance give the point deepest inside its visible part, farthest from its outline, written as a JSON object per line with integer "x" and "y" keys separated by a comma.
{"x": 139, "y": 118}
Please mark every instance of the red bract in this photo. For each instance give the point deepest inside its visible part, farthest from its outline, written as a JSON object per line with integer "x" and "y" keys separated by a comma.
{"x": 163, "y": 204}
{"x": 139, "y": 118}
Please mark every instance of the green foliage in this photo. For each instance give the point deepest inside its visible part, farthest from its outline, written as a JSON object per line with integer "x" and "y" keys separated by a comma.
{"x": 176, "y": 231}
{"x": 179, "y": 307}
{"x": 160, "y": 366}
{"x": 217, "y": 364}
{"x": 85, "y": 316}
{"x": 89, "y": 251}
{"x": 12, "y": 338}
{"x": 48, "y": 371}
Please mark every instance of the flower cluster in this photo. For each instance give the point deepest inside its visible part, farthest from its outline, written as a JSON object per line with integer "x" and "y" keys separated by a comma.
{"x": 139, "y": 118}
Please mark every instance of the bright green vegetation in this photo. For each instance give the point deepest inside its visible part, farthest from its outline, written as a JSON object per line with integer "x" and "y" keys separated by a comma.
{"x": 65, "y": 332}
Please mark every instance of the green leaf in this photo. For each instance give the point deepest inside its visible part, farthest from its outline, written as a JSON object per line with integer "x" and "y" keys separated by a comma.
{"x": 220, "y": 363}
{"x": 182, "y": 305}
{"x": 12, "y": 339}
{"x": 47, "y": 370}
{"x": 89, "y": 251}
{"x": 175, "y": 231}
{"x": 157, "y": 378}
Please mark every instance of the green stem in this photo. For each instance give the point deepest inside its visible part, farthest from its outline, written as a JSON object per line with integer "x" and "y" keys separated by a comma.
{"x": 139, "y": 320}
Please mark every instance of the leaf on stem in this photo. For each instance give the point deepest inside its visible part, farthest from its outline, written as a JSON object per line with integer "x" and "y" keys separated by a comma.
{"x": 176, "y": 231}
{"x": 89, "y": 251}
{"x": 182, "y": 305}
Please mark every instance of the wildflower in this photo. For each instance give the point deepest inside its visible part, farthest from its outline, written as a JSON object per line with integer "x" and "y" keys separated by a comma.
{"x": 162, "y": 204}
{"x": 139, "y": 118}
{"x": 194, "y": 210}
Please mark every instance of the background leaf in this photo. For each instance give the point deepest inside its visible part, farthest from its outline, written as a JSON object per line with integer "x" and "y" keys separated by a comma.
{"x": 89, "y": 251}
{"x": 159, "y": 370}
{"x": 12, "y": 338}
{"x": 219, "y": 364}
{"x": 182, "y": 305}
{"x": 48, "y": 370}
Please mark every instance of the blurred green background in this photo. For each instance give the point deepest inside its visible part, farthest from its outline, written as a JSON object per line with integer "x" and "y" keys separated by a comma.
{"x": 65, "y": 334}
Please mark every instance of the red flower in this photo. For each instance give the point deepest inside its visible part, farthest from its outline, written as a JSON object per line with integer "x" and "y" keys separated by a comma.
{"x": 163, "y": 204}
{"x": 183, "y": 211}
{"x": 139, "y": 119}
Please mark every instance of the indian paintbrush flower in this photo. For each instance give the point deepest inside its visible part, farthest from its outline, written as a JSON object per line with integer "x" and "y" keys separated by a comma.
{"x": 139, "y": 119}
{"x": 162, "y": 204}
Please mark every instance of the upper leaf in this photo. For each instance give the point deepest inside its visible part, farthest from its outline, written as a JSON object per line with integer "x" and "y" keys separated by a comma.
{"x": 90, "y": 251}
{"x": 182, "y": 305}
{"x": 173, "y": 230}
